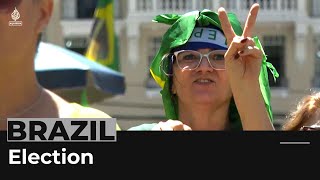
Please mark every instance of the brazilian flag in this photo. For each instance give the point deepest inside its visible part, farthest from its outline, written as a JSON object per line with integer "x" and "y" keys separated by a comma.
{"x": 102, "y": 47}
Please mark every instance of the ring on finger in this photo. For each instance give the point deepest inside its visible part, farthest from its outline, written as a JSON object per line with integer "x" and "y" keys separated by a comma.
{"x": 250, "y": 47}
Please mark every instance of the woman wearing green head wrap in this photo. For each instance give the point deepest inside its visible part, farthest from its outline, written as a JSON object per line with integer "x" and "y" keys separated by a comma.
{"x": 212, "y": 73}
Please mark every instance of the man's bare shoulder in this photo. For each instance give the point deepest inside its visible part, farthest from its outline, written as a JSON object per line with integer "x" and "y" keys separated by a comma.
{"x": 82, "y": 111}
{"x": 75, "y": 110}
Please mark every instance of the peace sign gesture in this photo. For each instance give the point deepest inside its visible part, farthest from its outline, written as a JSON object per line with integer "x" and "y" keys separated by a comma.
{"x": 242, "y": 59}
{"x": 243, "y": 63}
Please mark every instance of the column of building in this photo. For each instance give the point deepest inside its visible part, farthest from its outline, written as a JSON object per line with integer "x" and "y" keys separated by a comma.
{"x": 133, "y": 65}
{"x": 302, "y": 69}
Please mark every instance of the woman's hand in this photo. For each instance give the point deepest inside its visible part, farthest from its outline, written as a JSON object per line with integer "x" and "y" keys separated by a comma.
{"x": 243, "y": 63}
{"x": 171, "y": 125}
{"x": 243, "y": 59}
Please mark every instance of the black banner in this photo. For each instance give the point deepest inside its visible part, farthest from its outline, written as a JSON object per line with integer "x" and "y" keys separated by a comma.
{"x": 135, "y": 147}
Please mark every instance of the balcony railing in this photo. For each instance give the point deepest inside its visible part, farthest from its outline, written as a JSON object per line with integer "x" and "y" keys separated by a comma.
{"x": 265, "y": 5}
{"x": 282, "y": 9}
{"x": 143, "y": 6}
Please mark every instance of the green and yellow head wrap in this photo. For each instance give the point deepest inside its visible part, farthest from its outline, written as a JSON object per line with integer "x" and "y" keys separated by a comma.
{"x": 178, "y": 34}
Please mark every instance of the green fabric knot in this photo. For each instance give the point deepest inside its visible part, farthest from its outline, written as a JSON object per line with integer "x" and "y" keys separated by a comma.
{"x": 273, "y": 71}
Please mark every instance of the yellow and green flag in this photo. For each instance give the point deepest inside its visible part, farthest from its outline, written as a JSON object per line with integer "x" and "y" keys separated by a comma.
{"x": 102, "y": 47}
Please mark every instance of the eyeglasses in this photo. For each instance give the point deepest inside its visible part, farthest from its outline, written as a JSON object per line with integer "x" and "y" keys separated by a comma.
{"x": 190, "y": 60}
{"x": 8, "y": 5}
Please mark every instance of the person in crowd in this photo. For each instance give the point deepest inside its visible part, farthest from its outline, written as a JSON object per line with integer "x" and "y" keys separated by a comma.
{"x": 306, "y": 116}
{"x": 21, "y": 95}
{"x": 213, "y": 73}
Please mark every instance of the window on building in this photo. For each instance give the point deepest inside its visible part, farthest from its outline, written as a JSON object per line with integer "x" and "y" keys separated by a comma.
{"x": 274, "y": 47}
{"x": 85, "y": 8}
{"x": 315, "y": 8}
{"x": 78, "y": 45}
{"x": 154, "y": 45}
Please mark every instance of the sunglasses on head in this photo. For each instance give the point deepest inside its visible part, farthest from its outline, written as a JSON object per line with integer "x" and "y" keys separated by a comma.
{"x": 8, "y": 5}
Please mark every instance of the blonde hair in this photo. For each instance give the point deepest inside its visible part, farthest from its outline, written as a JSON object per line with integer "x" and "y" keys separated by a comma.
{"x": 306, "y": 109}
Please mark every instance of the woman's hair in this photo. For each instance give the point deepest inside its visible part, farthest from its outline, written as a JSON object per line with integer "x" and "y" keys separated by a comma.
{"x": 306, "y": 109}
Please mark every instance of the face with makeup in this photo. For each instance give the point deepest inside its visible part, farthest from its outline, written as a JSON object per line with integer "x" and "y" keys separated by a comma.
{"x": 199, "y": 75}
